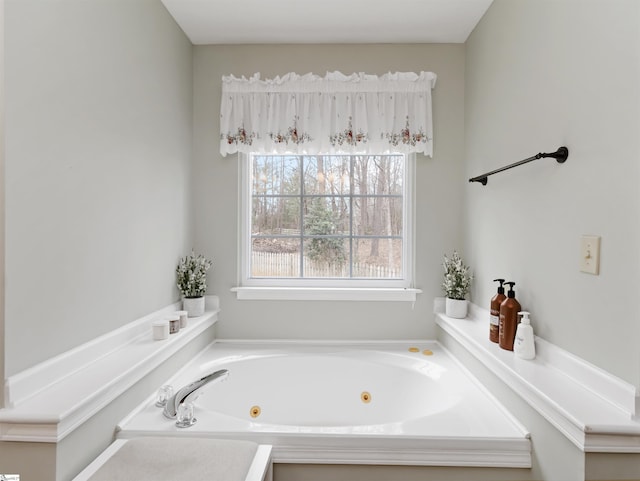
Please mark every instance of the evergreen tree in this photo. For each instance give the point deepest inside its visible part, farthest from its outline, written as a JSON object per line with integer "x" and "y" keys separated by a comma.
{"x": 321, "y": 221}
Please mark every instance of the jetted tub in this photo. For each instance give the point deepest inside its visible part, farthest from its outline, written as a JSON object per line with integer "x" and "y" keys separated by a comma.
{"x": 407, "y": 403}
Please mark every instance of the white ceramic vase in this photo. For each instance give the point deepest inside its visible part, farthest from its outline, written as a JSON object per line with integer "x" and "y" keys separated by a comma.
{"x": 456, "y": 308}
{"x": 193, "y": 305}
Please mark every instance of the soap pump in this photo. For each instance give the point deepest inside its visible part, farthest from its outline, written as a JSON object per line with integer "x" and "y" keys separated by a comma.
{"x": 494, "y": 314}
{"x": 524, "y": 346}
{"x": 508, "y": 319}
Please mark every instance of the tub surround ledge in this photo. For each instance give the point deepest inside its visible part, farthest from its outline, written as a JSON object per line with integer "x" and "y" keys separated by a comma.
{"x": 594, "y": 409}
{"x": 46, "y": 402}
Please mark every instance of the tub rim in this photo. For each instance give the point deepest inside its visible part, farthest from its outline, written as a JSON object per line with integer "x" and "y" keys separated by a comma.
{"x": 405, "y": 449}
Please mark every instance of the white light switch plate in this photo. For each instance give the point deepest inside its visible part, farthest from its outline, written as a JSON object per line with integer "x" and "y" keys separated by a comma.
{"x": 590, "y": 254}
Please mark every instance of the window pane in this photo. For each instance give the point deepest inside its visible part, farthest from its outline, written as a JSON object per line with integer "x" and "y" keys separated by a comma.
{"x": 326, "y": 216}
{"x": 326, "y": 257}
{"x": 275, "y": 175}
{"x": 326, "y": 174}
{"x": 378, "y": 174}
{"x": 379, "y": 216}
{"x": 275, "y": 257}
{"x": 395, "y": 174}
{"x": 275, "y": 216}
{"x": 377, "y": 258}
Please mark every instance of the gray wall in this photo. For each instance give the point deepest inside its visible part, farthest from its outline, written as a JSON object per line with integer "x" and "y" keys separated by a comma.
{"x": 98, "y": 164}
{"x": 541, "y": 74}
{"x": 439, "y": 189}
{"x": 2, "y": 201}
{"x": 102, "y": 99}
{"x": 98, "y": 151}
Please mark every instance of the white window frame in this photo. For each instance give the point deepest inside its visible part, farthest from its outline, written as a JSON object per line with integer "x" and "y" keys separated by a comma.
{"x": 325, "y": 289}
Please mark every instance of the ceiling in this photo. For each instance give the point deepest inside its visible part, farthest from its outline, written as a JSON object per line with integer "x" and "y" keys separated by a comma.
{"x": 326, "y": 21}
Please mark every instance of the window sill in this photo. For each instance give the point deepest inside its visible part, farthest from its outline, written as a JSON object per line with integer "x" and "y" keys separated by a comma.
{"x": 326, "y": 294}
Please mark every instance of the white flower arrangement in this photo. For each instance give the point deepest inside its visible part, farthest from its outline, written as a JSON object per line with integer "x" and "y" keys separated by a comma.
{"x": 191, "y": 274}
{"x": 457, "y": 279}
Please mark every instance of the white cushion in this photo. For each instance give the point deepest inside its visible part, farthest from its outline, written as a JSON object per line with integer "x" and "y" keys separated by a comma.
{"x": 195, "y": 459}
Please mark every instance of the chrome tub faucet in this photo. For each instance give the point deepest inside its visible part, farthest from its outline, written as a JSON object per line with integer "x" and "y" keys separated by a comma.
{"x": 190, "y": 392}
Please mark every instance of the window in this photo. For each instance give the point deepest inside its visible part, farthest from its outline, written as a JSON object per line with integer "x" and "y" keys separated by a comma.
{"x": 326, "y": 220}
{"x": 335, "y": 225}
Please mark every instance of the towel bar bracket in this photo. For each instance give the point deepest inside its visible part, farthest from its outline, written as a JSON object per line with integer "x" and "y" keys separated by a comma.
{"x": 560, "y": 155}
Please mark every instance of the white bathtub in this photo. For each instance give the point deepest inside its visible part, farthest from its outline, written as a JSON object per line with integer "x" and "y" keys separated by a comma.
{"x": 387, "y": 403}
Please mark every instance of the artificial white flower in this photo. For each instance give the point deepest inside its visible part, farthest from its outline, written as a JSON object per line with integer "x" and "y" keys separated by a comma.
{"x": 457, "y": 278}
{"x": 191, "y": 274}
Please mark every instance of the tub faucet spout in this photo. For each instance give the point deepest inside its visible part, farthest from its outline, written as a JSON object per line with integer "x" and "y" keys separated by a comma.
{"x": 191, "y": 391}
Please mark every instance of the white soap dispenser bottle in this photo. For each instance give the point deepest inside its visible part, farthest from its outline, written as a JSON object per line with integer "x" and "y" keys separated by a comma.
{"x": 524, "y": 346}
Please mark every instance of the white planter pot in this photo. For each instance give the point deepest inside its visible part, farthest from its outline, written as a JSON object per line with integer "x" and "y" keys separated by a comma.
{"x": 456, "y": 308}
{"x": 193, "y": 305}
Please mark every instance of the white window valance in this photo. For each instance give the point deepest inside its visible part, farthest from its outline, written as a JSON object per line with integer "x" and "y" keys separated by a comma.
{"x": 337, "y": 113}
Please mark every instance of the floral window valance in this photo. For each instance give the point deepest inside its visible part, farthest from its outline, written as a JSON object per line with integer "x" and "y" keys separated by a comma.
{"x": 355, "y": 113}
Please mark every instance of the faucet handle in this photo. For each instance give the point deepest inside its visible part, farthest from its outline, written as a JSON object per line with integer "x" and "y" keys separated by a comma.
{"x": 164, "y": 394}
{"x": 186, "y": 415}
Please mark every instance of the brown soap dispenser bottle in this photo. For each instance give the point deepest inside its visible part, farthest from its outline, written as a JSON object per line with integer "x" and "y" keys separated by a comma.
{"x": 494, "y": 315}
{"x": 508, "y": 319}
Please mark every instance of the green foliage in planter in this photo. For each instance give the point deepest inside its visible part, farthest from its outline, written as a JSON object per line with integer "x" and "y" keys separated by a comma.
{"x": 191, "y": 274}
{"x": 457, "y": 279}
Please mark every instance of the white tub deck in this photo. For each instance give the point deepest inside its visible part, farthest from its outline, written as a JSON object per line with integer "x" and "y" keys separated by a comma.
{"x": 423, "y": 407}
